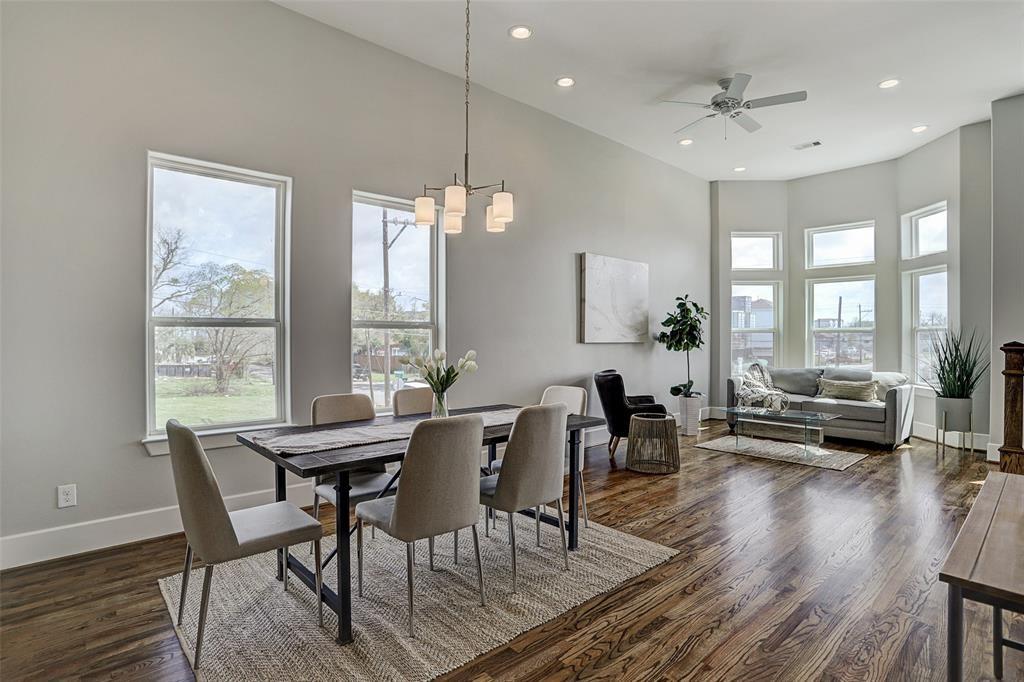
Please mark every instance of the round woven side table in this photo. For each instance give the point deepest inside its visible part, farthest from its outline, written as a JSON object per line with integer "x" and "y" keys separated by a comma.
{"x": 653, "y": 444}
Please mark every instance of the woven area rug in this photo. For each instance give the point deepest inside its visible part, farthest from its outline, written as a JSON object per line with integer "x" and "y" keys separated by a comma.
{"x": 784, "y": 452}
{"x": 257, "y": 631}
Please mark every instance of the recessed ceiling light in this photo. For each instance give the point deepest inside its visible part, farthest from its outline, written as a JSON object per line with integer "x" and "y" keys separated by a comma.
{"x": 520, "y": 32}
{"x": 918, "y": 129}
{"x": 565, "y": 82}
{"x": 739, "y": 169}
{"x": 686, "y": 142}
{"x": 889, "y": 83}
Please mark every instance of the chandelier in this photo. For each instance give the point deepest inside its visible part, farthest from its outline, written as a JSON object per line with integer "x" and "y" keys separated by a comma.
{"x": 499, "y": 211}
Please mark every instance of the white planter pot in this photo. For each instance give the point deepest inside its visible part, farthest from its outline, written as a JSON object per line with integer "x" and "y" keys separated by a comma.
{"x": 957, "y": 412}
{"x": 689, "y": 414}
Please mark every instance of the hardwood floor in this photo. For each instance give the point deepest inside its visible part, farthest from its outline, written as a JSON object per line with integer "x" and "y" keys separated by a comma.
{"x": 785, "y": 572}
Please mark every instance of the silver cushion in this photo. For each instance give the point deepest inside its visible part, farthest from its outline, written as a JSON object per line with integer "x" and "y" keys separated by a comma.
{"x": 496, "y": 466}
{"x": 801, "y": 381}
{"x": 269, "y": 526}
{"x": 376, "y": 512}
{"x": 362, "y": 487}
{"x": 857, "y": 410}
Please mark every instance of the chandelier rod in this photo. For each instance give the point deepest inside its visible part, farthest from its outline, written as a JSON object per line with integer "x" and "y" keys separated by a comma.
{"x": 466, "y": 170}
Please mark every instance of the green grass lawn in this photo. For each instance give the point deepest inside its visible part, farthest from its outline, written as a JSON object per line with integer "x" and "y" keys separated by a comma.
{"x": 192, "y": 402}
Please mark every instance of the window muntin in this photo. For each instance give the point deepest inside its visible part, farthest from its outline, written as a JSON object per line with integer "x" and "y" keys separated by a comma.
{"x": 926, "y": 231}
{"x": 394, "y": 295}
{"x": 755, "y": 326}
{"x": 842, "y": 322}
{"x": 841, "y": 245}
{"x": 216, "y": 324}
{"x": 930, "y": 310}
{"x": 755, "y": 251}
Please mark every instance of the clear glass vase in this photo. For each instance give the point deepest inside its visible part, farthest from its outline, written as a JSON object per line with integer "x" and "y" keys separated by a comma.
{"x": 440, "y": 406}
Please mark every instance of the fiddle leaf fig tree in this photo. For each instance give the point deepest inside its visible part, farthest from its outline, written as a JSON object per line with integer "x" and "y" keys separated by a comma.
{"x": 685, "y": 332}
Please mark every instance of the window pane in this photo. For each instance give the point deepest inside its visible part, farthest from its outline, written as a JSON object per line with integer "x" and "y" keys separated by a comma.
{"x": 390, "y": 265}
{"x": 925, "y": 352}
{"x": 381, "y": 361}
{"x": 748, "y": 348}
{"x": 846, "y": 349}
{"x": 214, "y": 375}
{"x": 839, "y": 305}
{"x": 932, "y": 303}
{"x": 753, "y": 253}
{"x": 843, "y": 247}
{"x": 753, "y": 306}
{"x": 931, "y": 233}
{"x": 213, "y": 246}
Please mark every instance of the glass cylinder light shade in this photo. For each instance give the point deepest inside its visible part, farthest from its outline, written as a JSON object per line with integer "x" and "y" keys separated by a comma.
{"x": 502, "y": 207}
{"x": 425, "y": 211}
{"x": 455, "y": 200}
{"x": 452, "y": 224}
{"x": 491, "y": 225}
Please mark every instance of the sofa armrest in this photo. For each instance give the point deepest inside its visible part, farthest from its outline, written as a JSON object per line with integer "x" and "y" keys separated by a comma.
{"x": 640, "y": 399}
{"x": 732, "y": 384}
{"x": 899, "y": 414}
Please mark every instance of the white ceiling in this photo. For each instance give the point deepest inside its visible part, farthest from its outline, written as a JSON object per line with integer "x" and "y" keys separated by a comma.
{"x": 953, "y": 59}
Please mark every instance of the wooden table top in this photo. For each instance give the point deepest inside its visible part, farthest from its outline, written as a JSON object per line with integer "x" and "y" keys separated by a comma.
{"x": 313, "y": 464}
{"x": 988, "y": 553}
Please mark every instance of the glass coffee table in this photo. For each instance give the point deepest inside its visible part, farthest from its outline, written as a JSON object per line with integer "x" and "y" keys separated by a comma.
{"x": 790, "y": 425}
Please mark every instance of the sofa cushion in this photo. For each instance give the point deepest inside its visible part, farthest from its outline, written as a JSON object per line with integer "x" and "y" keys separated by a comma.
{"x": 847, "y": 374}
{"x": 856, "y": 410}
{"x": 887, "y": 381}
{"x": 803, "y": 381}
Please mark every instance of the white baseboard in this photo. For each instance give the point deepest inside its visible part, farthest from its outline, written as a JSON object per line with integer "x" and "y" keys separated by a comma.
{"x": 981, "y": 440}
{"x": 75, "y": 538}
{"x": 992, "y": 452}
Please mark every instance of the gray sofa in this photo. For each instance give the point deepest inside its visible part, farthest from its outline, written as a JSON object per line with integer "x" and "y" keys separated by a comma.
{"x": 887, "y": 420}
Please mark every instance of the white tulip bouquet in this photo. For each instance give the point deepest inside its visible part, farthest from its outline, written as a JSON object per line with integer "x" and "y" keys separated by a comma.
{"x": 441, "y": 376}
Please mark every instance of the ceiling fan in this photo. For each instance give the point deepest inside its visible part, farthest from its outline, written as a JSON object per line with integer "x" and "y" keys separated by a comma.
{"x": 729, "y": 104}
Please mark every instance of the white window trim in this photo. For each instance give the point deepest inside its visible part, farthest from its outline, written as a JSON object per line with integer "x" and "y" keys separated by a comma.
{"x": 280, "y": 323}
{"x": 908, "y": 231}
{"x": 809, "y": 244}
{"x": 809, "y": 322}
{"x": 776, "y": 250}
{"x": 438, "y": 293}
{"x": 777, "y": 313}
{"x": 910, "y": 328}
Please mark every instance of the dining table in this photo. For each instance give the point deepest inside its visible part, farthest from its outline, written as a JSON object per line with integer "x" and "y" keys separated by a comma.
{"x": 323, "y": 459}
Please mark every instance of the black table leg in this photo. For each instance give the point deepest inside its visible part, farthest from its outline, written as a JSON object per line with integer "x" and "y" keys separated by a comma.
{"x": 997, "y": 642}
{"x": 344, "y": 605}
{"x": 492, "y": 454}
{"x": 574, "y": 489}
{"x": 955, "y": 636}
{"x": 280, "y": 494}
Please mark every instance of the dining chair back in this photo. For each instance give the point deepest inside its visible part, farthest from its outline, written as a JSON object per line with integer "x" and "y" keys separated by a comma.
{"x": 533, "y": 465}
{"x": 575, "y": 399}
{"x": 341, "y": 407}
{"x": 418, "y": 400}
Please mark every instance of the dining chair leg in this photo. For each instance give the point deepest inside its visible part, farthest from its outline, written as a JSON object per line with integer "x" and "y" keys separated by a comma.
{"x": 479, "y": 566}
{"x": 320, "y": 582}
{"x": 512, "y": 542}
{"x": 455, "y": 544}
{"x": 203, "y": 606}
{"x": 536, "y": 518}
{"x": 284, "y": 567}
{"x": 487, "y": 522}
{"x": 561, "y": 527}
{"x": 510, "y": 538}
{"x": 184, "y": 581}
{"x": 409, "y": 548}
{"x": 583, "y": 499}
{"x": 316, "y": 513}
{"x": 359, "y": 557}
{"x": 430, "y": 550}
{"x": 373, "y": 532}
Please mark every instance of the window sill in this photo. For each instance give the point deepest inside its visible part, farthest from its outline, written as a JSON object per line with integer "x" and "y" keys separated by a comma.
{"x": 212, "y": 439}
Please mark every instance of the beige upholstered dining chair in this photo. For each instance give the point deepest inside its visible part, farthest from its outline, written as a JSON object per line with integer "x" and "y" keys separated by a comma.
{"x": 218, "y": 535}
{"x": 532, "y": 472}
{"x": 439, "y": 493}
{"x": 575, "y": 399}
{"x": 417, "y": 400}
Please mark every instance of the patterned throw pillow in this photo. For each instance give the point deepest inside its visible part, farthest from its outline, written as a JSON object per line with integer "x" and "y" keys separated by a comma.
{"x": 849, "y": 390}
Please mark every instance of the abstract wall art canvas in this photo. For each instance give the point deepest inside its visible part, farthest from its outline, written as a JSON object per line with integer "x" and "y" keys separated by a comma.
{"x": 613, "y": 306}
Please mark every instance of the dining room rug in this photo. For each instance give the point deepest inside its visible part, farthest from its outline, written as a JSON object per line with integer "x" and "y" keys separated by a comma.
{"x": 257, "y": 631}
{"x": 783, "y": 451}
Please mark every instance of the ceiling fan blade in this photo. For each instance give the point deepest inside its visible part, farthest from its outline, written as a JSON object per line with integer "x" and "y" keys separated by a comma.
{"x": 690, "y": 125}
{"x": 746, "y": 122}
{"x": 737, "y": 86}
{"x": 776, "y": 99}
{"x": 691, "y": 104}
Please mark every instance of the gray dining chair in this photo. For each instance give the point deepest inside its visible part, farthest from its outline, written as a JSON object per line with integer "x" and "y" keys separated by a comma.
{"x": 217, "y": 535}
{"x": 575, "y": 399}
{"x": 532, "y": 472}
{"x": 415, "y": 400}
{"x": 439, "y": 493}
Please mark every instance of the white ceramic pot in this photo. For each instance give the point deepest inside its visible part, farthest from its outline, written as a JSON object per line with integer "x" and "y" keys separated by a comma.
{"x": 957, "y": 412}
{"x": 689, "y": 414}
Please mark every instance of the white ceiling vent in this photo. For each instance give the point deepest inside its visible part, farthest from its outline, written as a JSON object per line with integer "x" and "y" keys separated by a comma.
{"x": 807, "y": 145}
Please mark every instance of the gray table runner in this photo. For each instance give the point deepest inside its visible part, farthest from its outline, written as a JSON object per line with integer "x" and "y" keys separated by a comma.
{"x": 333, "y": 439}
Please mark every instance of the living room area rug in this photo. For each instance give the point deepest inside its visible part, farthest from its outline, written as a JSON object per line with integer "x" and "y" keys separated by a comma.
{"x": 783, "y": 451}
{"x": 257, "y": 631}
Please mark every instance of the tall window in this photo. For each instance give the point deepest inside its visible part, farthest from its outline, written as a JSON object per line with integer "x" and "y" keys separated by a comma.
{"x": 840, "y": 245}
{"x": 755, "y": 324}
{"x": 924, "y": 232}
{"x": 216, "y": 318}
{"x": 394, "y": 295}
{"x": 842, "y": 322}
{"x": 930, "y": 311}
{"x": 755, "y": 251}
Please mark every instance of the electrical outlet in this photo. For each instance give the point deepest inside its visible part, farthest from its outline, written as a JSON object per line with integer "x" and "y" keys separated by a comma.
{"x": 67, "y": 495}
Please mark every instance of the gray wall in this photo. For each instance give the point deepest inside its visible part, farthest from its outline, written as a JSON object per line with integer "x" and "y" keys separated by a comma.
{"x": 88, "y": 88}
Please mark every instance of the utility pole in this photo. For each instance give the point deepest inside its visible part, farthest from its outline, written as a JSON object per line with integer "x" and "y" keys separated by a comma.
{"x": 839, "y": 334}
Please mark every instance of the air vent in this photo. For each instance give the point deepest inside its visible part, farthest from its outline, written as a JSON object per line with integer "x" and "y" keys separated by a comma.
{"x": 807, "y": 145}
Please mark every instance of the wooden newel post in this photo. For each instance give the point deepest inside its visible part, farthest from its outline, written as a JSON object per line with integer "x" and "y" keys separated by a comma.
{"x": 1011, "y": 455}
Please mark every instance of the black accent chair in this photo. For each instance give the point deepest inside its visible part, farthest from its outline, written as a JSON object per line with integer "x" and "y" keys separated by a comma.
{"x": 619, "y": 407}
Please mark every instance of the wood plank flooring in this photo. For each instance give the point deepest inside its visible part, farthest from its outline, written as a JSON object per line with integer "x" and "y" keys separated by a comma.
{"x": 785, "y": 572}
